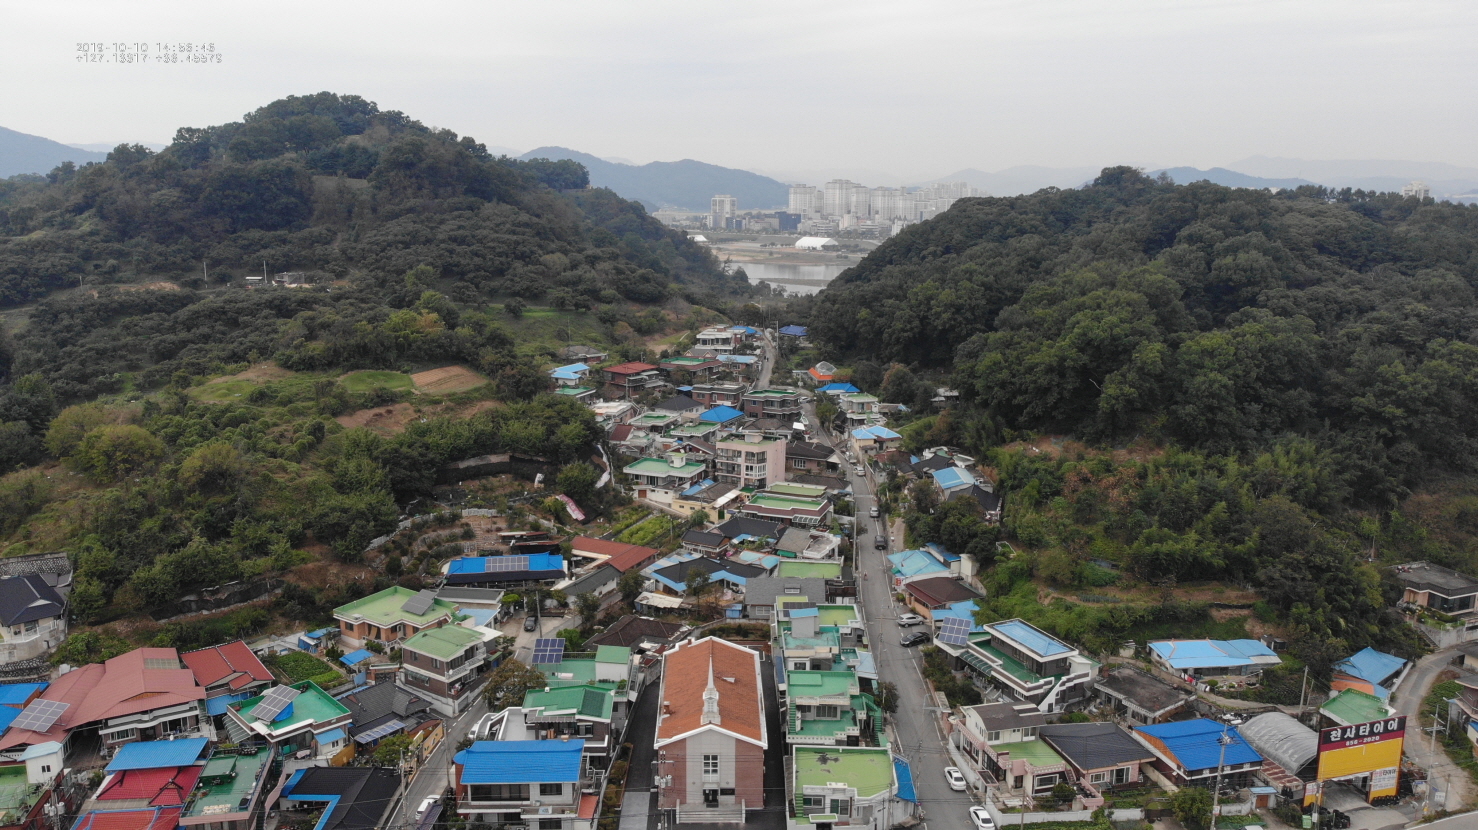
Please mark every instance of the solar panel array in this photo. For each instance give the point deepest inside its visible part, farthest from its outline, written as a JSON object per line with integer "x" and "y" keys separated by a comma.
{"x": 955, "y": 631}
{"x": 550, "y": 650}
{"x": 40, "y": 715}
{"x": 420, "y": 603}
{"x": 274, "y": 702}
{"x": 500, "y": 564}
{"x": 379, "y": 732}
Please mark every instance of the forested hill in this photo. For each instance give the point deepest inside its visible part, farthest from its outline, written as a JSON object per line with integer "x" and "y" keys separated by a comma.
{"x": 1261, "y": 388}
{"x": 331, "y": 183}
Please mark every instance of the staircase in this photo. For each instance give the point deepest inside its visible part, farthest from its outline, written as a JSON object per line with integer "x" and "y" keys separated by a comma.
{"x": 699, "y": 814}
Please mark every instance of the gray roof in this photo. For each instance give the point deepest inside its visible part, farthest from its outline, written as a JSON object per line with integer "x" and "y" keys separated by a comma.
{"x": 1424, "y": 576}
{"x": 593, "y": 581}
{"x": 678, "y": 403}
{"x": 794, "y": 540}
{"x": 457, "y": 593}
{"x": 1146, "y": 692}
{"x": 1009, "y": 715}
{"x": 376, "y": 704}
{"x": 704, "y": 538}
{"x": 1281, "y": 738}
{"x": 809, "y": 449}
{"x": 28, "y": 598}
{"x": 632, "y": 630}
{"x": 762, "y": 590}
{"x": 740, "y": 525}
{"x": 1090, "y": 746}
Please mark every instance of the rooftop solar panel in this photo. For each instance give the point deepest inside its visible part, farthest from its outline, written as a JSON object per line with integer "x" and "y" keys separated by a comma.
{"x": 499, "y": 564}
{"x": 550, "y": 650}
{"x": 379, "y": 732}
{"x": 954, "y": 631}
{"x": 40, "y": 715}
{"x": 274, "y": 702}
{"x": 420, "y": 603}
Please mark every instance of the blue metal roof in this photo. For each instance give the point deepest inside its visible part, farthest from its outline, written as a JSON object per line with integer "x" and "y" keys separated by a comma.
{"x": 915, "y": 562}
{"x": 1372, "y": 666}
{"x": 1204, "y": 654}
{"x": 7, "y": 715}
{"x": 793, "y": 331}
{"x": 963, "y": 610}
{"x": 521, "y": 762}
{"x": 16, "y": 694}
{"x": 737, "y": 358}
{"x": 721, "y": 415}
{"x": 1031, "y": 637}
{"x": 941, "y": 552}
{"x": 905, "y": 780}
{"x": 478, "y": 564}
{"x": 805, "y": 612}
{"x": 218, "y": 705}
{"x": 356, "y": 657}
{"x": 335, "y": 734}
{"x": 876, "y": 432}
{"x": 952, "y": 477}
{"x": 744, "y": 329}
{"x": 157, "y": 754}
{"x": 699, "y": 487}
{"x": 1195, "y": 743}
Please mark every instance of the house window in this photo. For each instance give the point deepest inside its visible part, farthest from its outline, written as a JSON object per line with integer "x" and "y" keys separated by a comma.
{"x": 551, "y": 823}
{"x": 792, "y": 589}
{"x": 800, "y": 665}
{"x": 124, "y": 735}
{"x": 46, "y": 767}
{"x": 1098, "y": 778}
{"x": 1121, "y": 775}
{"x": 710, "y": 769}
{"x": 827, "y": 711}
{"x": 1029, "y": 732}
{"x": 31, "y": 627}
{"x": 815, "y": 802}
{"x": 551, "y": 789}
{"x": 993, "y": 736}
{"x": 841, "y": 807}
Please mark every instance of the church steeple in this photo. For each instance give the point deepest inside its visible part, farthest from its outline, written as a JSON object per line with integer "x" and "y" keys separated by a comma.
{"x": 710, "y": 696}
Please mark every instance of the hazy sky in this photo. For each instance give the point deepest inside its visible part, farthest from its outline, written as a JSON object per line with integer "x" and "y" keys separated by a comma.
{"x": 918, "y": 89}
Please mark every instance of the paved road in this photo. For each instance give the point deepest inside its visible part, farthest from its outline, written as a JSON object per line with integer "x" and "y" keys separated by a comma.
{"x": 768, "y": 357}
{"x": 918, "y": 735}
{"x": 1409, "y": 695}
{"x": 435, "y": 775}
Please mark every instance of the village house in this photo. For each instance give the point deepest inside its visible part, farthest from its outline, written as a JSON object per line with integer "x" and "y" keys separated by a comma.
{"x": 389, "y": 616}
{"x": 527, "y": 783}
{"x": 444, "y": 665}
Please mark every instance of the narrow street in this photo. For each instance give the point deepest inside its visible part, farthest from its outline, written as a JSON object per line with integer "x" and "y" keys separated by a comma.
{"x": 436, "y": 774}
{"x": 1419, "y": 747}
{"x": 915, "y": 724}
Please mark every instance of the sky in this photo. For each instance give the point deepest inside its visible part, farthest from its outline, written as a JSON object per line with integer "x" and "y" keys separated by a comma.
{"x": 911, "y": 90}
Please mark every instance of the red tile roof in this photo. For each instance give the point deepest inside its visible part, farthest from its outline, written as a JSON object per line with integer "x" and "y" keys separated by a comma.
{"x": 138, "y": 681}
{"x": 154, "y": 818}
{"x": 735, "y": 672}
{"x": 938, "y": 591}
{"x": 620, "y": 432}
{"x": 621, "y": 556}
{"x": 166, "y": 787}
{"x": 232, "y": 662}
{"x": 629, "y": 368}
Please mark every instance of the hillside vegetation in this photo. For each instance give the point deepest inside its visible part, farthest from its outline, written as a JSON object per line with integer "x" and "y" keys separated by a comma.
{"x": 1293, "y": 365}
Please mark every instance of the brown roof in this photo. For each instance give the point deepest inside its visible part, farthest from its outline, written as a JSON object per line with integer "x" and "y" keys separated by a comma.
{"x": 621, "y": 556}
{"x": 630, "y": 368}
{"x": 632, "y": 630}
{"x": 620, "y": 432}
{"x": 232, "y": 661}
{"x": 735, "y": 672}
{"x": 938, "y": 591}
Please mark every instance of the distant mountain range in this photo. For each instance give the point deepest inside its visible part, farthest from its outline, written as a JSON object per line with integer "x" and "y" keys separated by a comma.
{"x": 1229, "y": 178}
{"x": 683, "y": 184}
{"x": 1026, "y": 178}
{"x": 22, "y": 153}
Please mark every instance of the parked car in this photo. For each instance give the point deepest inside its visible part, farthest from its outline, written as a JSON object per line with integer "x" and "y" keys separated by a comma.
{"x": 880, "y": 542}
{"x": 906, "y": 620}
{"x": 859, "y": 470}
{"x": 955, "y": 778}
{"x": 530, "y": 623}
{"x": 980, "y": 817}
{"x": 917, "y": 638}
{"x": 872, "y": 512}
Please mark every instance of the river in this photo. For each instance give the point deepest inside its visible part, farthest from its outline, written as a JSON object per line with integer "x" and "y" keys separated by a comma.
{"x": 796, "y": 279}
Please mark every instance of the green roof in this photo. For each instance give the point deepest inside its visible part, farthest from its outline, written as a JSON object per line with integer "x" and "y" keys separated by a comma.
{"x": 866, "y": 769}
{"x": 801, "y": 570}
{"x": 786, "y": 502}
{"x": 1010, "y": 665}
{"x": 17, "y": 796}
{"x": 836, "y": 615}
{"x": 613, "y": 654}
{"x": 1353, "y": 706}
{"x": 660, "y": 467}
{"x": 1036, "y": 753}
{"x": 446, "y": 643}
{"x": 686, "y": 361}
{"x": 211, "y": 799}
{"x": 790, "y": 488}
{"x": 576, "y": 672}
{"x": 311, "y": 705}
{"x": 655, "y": 418}
{"x": 585, "y": 699}
{"x": 693, "y": 429}
{"x": 386, "y": 608}
{"x": 860, "y": 397}
{"x": 770, "y": 393}
{"x": 820, "y": 683}
{"x": 574, "y": 390}
{"x": 823, "y": 639}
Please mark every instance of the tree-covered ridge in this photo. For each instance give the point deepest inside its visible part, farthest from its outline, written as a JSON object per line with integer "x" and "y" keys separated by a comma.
{"x": 1213, "y": 317}
{"x": 333, "y": 184}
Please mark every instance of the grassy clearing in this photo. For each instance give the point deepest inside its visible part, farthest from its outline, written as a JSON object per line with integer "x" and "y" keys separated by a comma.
{"x": 366, "y": 380}
{"x": 223, "y": 392}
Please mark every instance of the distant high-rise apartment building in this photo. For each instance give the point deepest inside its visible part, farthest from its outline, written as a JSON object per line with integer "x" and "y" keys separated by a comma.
{"x": 722, "y": 211}
{"x": 838, "y": 197}
{"x": 1417, "y": 189}
{"x": 803, "y": 199}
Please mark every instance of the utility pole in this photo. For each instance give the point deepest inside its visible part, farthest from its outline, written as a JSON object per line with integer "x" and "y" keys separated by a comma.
{"x": 1220, "y": 762}
{"x": 1303, "y": 689}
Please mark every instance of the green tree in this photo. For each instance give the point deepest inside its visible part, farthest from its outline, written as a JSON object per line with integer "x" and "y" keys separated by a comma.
{"x": 510, "y": 682}
{"x": 578, "y": 481}
{"x": 888, "y": 697}
{"x": 109, "y": 453}
{"x": 588, "y": 606}
{"x": 1192, "y": 807}
{"x": 631, "y": 584}
{"x": 697, "y": 582}
{"x": 515, "y": 307}
{"x": 391, "y": 751}
{"x": 70, "y": 425}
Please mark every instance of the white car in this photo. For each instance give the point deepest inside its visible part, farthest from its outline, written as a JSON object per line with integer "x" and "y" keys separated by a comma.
{"x": 872, "y": 512}
{"x": 860, "y": 471}
{"x": 955, "y": 778}
{"x": 426, "y": 804}
{"x": 980, "y": 817}
{"x": 906, "y": 620}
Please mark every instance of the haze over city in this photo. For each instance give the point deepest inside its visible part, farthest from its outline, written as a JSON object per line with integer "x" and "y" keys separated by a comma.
{"x": 880, "y": 92}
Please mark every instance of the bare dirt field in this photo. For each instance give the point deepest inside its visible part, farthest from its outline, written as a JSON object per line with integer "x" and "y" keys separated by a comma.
{"x": 447, "y": 380}
{"x": 386, "y": 420}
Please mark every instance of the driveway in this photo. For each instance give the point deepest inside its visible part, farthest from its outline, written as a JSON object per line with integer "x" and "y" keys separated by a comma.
{"x": 1408, "y": 700}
